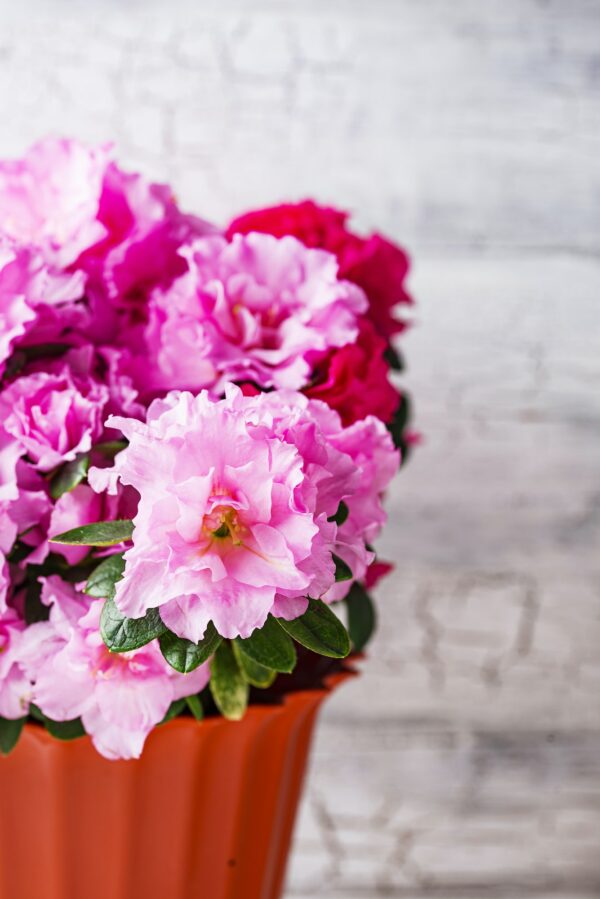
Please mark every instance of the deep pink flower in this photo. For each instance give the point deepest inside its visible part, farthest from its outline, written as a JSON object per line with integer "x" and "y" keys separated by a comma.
{"x": 354, "y": 379}
{"x": 256, "y": 309}
{"x": 144, "y": 232}
{"x": 119, "y": 697}
{"x": 376, "y": 571}
{"x": 374, "y": 263}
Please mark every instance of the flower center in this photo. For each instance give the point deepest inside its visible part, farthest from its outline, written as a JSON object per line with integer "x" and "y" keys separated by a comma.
{"x": 223, "y": 523}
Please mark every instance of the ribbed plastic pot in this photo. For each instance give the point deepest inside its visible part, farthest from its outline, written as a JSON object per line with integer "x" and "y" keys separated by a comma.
{"x": 207, "y": 812}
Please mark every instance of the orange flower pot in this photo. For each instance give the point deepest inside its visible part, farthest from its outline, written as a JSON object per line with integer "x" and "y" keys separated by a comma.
{"x": 207, "y": 812}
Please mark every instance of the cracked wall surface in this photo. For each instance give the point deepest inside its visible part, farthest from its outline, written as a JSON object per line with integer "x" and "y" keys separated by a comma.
{"x": 465, "y": 761}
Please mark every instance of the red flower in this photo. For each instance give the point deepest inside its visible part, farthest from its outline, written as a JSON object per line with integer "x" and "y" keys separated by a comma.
{"x": 374, "y": 263}
{"x": 354, "y": 379}
{"x": 376, "y": 571}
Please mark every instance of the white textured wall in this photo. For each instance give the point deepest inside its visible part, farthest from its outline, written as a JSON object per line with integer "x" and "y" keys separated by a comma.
{"x": 466, "y": 761}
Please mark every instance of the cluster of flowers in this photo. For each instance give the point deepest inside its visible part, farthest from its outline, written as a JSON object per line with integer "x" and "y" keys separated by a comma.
{"x": 196, "y": 430}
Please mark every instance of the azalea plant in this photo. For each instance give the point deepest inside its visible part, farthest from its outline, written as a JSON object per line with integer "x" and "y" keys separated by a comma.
{"x": 197, "y": 428}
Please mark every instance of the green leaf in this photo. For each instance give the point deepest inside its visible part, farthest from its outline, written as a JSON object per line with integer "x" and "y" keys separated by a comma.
{"x": 341, "y": 515}
{"x": 343, "y": 572}
{"x": 183, "y": 655}
{"x": 174, "y": 709}
{"x": 320, "y": 630}
{"x": 257, "y": 675}
{"x": 399, "y": 423}
{"x": 110, "y": 448}
{"x": 269, "y": 646}
{"x": 102, "y": 580}
{"x": 122, "y": 634}
{"x": 34, "y": 609}
{"x": 227, "y": 683}
{"x": 62, "y": 730}
{"x": 65, "y": 730}
{"x": 70, "y": 475}
{"x": 393, "y": 358}
{"x": 23, "y": 355}
{"x": 195, "y": 706}
{"x": 10, "y": 731}
{"x": 103, "y": 533}
{"x": 362, "y": 619}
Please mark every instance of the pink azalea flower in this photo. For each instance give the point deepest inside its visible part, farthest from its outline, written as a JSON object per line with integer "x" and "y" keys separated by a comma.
{"x": 10, "y": 452}
{"x": 378, "y": 266}
{"x": 53, "y": 415}
{"x": 236, "y": 498}
{"x": 369, "y": 445}
{"x": 220, "y": 528}
{"x": 49, "y": 198}
{"x": 30, "y": 511}
{"x": 35, "y": 302}
{"x": 144, "y": 231}
{"x": 256, "y": 309}
{"x": 119, "y": 697}
{"x": 8, "y": 534}
{"x": 15, "y": 687}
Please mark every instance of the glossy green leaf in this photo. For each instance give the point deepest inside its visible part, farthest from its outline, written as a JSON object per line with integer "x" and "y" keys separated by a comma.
{"x": 393, "y": 358}
{"x": 194, "y": 704}
{"x": 102, "y": 580}
{"x": 269, "y": 646}
{"x": 65, "y": 730}
{"x": 227, "y": 683}
{"x": 103, "y": 533}
{"x": 10, "y": 731}
{"x": 343, "y": 572}
{"x": 399, "y": 425}
{"x": 257, "y": 675}
{"x": 122, "y": 634}
{"x": 174, "y": 709}
{"x": 110, "y": 448}
{"x": 183, "y": 655}
{"x": 362, "y": 618}
{"x": 341, "y": 515}
{"x": 320, "y": 630}
{"x": 70, "y": 475}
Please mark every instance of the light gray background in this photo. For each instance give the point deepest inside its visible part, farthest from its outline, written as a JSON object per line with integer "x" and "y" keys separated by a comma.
{"x": 466, "y": 760}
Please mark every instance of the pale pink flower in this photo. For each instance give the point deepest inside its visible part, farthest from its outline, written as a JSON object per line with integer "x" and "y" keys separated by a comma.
{"x": 227, "y": 519}
{"x": 50, "y": 198}
{"x": 370, "y": 446}
{"x": 237, "y": 500}
{"x": 15, "y": 688}
{"x": 256, "y": 309}
{"x": 120, "y": 697}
